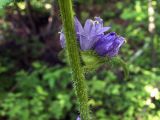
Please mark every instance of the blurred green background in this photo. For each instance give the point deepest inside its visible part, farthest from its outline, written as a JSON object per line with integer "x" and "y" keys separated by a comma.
{"x": 35, "y": 82}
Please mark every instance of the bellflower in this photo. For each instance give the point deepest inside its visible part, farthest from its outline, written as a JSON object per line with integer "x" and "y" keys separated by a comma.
{"x": 91, "y": 32}
{"x": 109, "y": 45}
{"x": 92, "y": 37}
{"x": 88, "y": 35}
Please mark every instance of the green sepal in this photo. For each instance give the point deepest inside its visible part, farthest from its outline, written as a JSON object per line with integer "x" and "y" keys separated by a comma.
{"x": 88, "y": 57}
{"x": 92, "y": 61}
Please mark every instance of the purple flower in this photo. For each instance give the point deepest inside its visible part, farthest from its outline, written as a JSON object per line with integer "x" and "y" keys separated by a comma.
{"x": 62, "y": 39}
{"x": 91, "y": 32}
{"x": 78, "y": 118}
{"x": 91, "y": 37}
{"x": 108, "y": 45}
{"x": 88, "y": 35}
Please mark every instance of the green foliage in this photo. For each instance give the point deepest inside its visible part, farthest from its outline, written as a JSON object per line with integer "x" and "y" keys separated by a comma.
{"x": 35, "y": 98}
{"x": 32, "y": 89}
{"x": 44, "y": 94}
{"x": 138, "y": 12}
{"x": 4, "y": 2}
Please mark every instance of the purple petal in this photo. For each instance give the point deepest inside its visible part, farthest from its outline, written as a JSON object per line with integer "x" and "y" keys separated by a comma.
{"x": 84, "y": 42}
{"x": 93, "y": 30}
{"x": 100, "y": 20}
{"x": 88, "y": 42}
{"x": 109, "y": 45}
{"x": 98, "y": 26}
{"x": 78, "y": 118}
{"x": 94, "y": 40}
{"x": 62, "y": 39}
{"x": 78, "y": 26}
{"x": 110, "y": 36}
{"x": 88, "y": 26}
{"x": 120, "y": 40}
{"x": 106, "y": 38}
{"x": 102, "y": 30}
{"x": 116, "y": 46}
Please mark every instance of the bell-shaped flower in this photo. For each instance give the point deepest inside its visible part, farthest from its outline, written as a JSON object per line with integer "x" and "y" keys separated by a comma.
{"x": 88, "y": 35}
{"x": 109, "y": 45}
{"x": 91, "y": 32}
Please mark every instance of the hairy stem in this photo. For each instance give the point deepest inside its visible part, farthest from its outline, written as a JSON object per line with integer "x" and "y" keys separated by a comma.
{"x": 74, "y": 58}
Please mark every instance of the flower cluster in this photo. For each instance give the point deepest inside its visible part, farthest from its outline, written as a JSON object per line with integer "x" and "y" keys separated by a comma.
{"x": 92, "y": 37}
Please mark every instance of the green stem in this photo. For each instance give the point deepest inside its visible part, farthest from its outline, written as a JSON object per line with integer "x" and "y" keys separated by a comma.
{"x": 74, "y": 58}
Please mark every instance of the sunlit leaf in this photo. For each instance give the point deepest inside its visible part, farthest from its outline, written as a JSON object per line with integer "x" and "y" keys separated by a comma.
{"x": 4, "y": 3}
